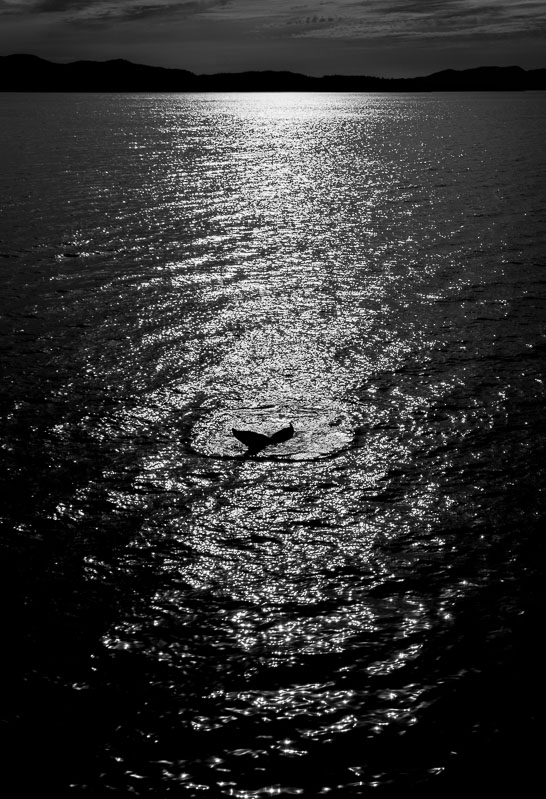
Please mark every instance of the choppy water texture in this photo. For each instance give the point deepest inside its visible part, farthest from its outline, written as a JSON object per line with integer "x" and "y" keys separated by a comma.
{"x": 357, "y": 609}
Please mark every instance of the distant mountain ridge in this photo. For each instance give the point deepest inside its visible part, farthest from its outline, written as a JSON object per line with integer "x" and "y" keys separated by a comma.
{"x": 31, "y": 73}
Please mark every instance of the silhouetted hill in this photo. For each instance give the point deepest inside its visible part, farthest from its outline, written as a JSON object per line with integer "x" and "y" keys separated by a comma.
{"x": 30, "y": 73}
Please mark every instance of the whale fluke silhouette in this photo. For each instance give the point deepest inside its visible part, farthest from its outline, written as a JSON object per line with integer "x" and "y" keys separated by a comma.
{"x": 251, "y": 440}
{"x": 257, "y": 441}
{"x": 282, "y": 435}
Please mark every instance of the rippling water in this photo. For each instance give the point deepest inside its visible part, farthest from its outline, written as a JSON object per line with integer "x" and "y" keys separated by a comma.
{"x": 358, "y": 607}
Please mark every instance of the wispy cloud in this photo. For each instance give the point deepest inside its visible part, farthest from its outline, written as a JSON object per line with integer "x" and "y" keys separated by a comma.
{"x": 372, "y": 19}
{"x": 16, "y": 6}
{"x": 343, "y": 19}
{"x": 109, "y": 10}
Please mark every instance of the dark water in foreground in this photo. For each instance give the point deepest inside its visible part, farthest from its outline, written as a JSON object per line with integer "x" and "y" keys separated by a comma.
{"x": 357, "y": 611}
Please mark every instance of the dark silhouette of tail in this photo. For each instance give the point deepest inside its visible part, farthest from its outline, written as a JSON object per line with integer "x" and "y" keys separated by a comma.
{"x": 255, "y": 442}
{"x": 282, "y": 435}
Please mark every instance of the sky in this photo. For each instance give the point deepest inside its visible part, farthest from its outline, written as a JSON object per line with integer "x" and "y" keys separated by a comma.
{"x": 388, "y": 38}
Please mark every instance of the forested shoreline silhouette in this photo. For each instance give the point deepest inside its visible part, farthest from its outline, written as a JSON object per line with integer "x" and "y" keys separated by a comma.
{"x": 31, "y": 73}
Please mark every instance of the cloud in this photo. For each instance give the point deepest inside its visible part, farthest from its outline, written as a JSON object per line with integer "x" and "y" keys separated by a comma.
{"x": 16, "y": 6}
{"x": 372, "y": 19}
{"x": 411, "y": 19}
{"x": 350, "y": 19}
{"x": 109, "y": 10}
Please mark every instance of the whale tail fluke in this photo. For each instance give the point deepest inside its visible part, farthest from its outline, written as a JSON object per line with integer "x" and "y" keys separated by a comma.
{"x": 255, "y": 442}
{"x": 284, "y": 434}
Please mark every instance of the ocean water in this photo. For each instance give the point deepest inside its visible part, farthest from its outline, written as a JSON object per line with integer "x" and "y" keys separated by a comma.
{"x": 356, "y": 611}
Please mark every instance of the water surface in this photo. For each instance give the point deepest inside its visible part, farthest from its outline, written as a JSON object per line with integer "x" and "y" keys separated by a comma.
{"x": 352, "y": 610}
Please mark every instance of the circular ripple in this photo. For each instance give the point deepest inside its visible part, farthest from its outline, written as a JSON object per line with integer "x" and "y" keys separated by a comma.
{"x": 319, "y": 432}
